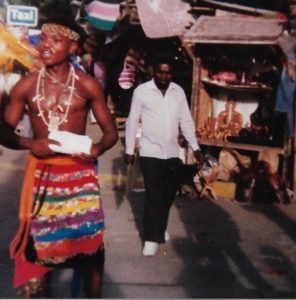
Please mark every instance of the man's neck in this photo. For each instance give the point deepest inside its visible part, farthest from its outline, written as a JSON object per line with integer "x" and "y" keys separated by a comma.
{"x": 58, "y": 73}
{"x": 162, "y": 89}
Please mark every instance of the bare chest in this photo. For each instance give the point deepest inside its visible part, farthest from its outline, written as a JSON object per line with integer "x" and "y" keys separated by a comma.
{"x": 55, "y": 102}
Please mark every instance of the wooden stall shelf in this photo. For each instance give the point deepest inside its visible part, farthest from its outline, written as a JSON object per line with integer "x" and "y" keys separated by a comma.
{"x": 253, "y": 56}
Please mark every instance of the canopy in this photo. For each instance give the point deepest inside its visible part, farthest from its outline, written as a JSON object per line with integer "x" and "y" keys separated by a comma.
{"x": 234, "y": 29}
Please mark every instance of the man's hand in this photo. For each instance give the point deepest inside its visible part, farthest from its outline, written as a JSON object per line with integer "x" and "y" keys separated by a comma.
{"x": 95, "y": 151}
{"x": 129, "y": 159}
{"x": 40, "y": 147}
{"x": 199, "y": 158}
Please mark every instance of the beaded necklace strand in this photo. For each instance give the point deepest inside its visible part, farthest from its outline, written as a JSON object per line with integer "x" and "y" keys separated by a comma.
{"x": 54, "y": 120}
{"x": 55, "y": 81}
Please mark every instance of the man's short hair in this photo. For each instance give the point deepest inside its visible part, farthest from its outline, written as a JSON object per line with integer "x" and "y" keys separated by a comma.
{"x": 163, "y": 58}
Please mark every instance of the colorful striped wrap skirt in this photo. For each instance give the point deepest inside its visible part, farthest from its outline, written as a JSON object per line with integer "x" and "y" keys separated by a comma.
{"x": 61, "y": 215}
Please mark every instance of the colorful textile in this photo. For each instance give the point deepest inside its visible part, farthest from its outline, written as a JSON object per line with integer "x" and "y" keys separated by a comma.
{"x": 102, "y": 14}
{"x": 126, "y": 79}
{"x": 61, "y": 210}
{"x": 285, "y": 99}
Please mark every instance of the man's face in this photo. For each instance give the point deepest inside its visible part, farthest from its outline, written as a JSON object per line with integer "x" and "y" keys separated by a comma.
{"x": 162, "y": 75}
{"x": 55, "y": 48}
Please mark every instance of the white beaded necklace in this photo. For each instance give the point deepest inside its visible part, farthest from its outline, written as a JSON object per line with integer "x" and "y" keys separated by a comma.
{"x": 54, "y": 119}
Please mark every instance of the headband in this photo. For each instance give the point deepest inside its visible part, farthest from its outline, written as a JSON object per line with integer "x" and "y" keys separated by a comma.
{"x": 60, "y": 29}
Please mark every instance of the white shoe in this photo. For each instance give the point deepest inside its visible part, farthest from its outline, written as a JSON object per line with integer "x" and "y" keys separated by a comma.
{"x": 166, "y": 236}
{"x": 150, "y": 248}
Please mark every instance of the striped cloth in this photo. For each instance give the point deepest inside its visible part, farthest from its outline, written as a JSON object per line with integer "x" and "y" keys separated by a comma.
{"x": 126, "y": 79}
{"x": 69, "y": 220}
{"x": 102, "y": 14}
{"x": 72, "y": 191}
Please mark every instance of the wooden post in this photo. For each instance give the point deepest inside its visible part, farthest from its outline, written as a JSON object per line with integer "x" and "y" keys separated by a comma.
{"x": 194, "y": 107}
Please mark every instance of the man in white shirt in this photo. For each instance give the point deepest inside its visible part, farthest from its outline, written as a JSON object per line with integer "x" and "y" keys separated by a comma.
{"x": 161, "y": 107}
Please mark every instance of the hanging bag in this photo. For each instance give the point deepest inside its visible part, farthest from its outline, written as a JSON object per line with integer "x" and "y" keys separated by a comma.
{"x": 126, "y": 79}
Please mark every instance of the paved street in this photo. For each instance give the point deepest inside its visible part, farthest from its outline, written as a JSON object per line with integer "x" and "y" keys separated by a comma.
{"x": 218, "y": 249}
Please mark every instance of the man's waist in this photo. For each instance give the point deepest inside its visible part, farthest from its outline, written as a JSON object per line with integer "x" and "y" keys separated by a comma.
{"x": 158, "y": 154}
{"x": 61, "y": 159}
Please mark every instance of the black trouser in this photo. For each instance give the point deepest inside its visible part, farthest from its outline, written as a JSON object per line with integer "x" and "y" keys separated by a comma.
{"x": 161, "y": 179}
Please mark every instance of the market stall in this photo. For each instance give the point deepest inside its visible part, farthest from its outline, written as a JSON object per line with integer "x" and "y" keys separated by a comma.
{"x": 237, "y": 67}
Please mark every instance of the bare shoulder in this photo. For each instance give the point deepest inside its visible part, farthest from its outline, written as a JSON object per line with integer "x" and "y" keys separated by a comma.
{"x": 87, "y": 86}
{"x": 86, "y": 80}
{"x": 26, "y": 85}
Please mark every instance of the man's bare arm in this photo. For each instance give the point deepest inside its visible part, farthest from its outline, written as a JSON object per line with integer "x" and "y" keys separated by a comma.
{"x": 12, "y": 116}
{"x": 104, "y": 119}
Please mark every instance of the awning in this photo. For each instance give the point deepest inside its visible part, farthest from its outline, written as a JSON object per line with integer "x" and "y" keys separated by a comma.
{"x": 164, "y": 18}
{"x": 234, "y": 29}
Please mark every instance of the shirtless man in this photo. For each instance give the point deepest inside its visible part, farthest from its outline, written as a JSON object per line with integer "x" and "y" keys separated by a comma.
{"x": 58, "y": 98}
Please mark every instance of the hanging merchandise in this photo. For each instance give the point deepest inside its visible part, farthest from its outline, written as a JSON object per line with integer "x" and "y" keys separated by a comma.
{"x": 102, "y": 14}
{"x": 134, "y": 66}
{"x": 164, "y": 18}
{"x": 126, "y": 78}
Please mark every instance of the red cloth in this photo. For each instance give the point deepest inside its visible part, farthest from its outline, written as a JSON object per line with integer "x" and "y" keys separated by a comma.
{"x": 25, "y": 271}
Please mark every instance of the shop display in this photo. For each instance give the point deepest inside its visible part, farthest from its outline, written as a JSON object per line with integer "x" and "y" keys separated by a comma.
{"x": 239, "y": 83}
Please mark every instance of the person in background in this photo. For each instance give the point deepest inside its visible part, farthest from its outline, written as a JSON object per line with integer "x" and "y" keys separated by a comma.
{"x": 60, "y": 195}
{"x": 161, "y": 107}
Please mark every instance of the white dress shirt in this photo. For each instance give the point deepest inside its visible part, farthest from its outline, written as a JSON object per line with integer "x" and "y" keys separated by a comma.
{"x": 160, "y": 117}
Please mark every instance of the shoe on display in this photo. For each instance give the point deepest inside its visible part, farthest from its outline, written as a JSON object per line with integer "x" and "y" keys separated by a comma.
{"x": 150, "y": 248}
